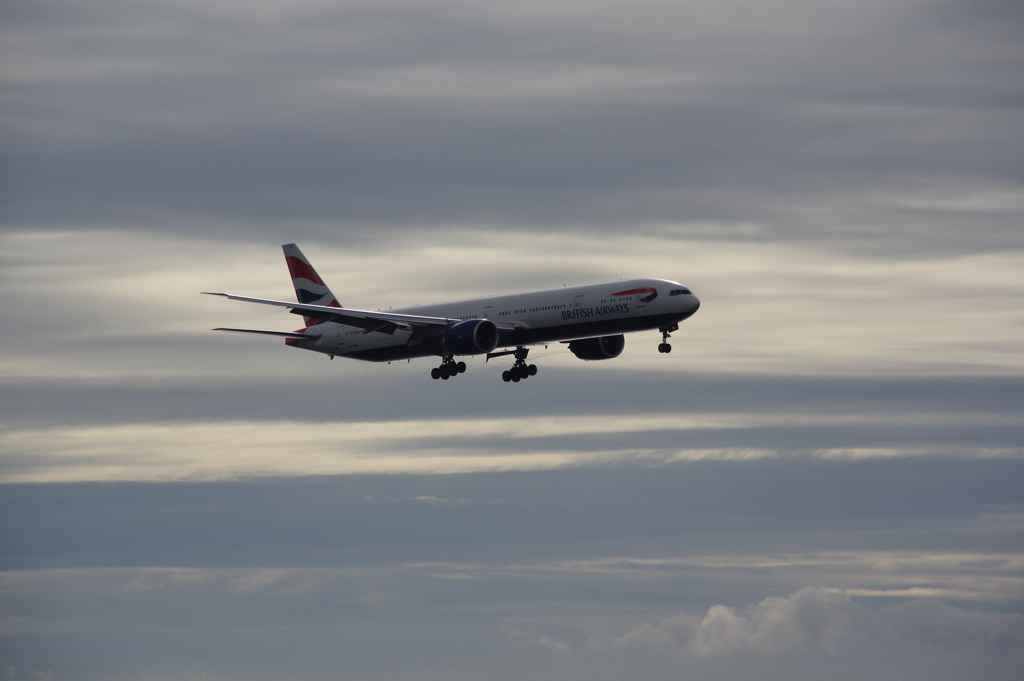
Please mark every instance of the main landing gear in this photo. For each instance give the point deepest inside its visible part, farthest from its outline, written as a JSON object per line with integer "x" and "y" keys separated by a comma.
{"x": 448, "y": 368}
{"x": 520, "y": 370}
{"x": 665, "y": 335}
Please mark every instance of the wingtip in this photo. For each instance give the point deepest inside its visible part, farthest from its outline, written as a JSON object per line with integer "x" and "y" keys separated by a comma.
{"x": 208, "y": 293}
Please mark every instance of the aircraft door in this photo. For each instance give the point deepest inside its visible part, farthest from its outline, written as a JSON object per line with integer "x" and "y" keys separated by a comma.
{"x": 487, "y": 311}
{"x": 641, "y": 301}
{"x": 578, "y": 303}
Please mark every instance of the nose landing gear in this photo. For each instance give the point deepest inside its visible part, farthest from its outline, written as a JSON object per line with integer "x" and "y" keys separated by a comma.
{"x": 665, "y": 335}
{"x": 448, "y": 368}
{"x": 520, "y": 370}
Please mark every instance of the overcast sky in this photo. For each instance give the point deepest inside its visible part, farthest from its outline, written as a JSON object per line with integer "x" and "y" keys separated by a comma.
{"x": 824, "y": 479}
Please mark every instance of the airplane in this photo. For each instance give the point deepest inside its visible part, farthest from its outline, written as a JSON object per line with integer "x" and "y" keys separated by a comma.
{"x": 591, "y": 320}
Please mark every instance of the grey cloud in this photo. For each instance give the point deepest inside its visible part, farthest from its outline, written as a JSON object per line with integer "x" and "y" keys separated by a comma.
{"x": 343, "y": 121}
{"x": 433, "y": 499}
{"x": 576, "y": 391}
{"x": 937, "y": 623}
{"x": 533, "y": 638}
{"x": 917, "y": 505}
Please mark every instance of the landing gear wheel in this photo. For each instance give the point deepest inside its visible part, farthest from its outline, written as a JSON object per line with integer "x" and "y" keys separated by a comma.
{"x": 520, "y": 371}
{"x": 448, "y": 368}
{"x": 665, "y": 335}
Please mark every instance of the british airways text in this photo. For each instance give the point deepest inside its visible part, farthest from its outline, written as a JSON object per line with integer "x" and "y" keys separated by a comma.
{"x": 600, "y": 311}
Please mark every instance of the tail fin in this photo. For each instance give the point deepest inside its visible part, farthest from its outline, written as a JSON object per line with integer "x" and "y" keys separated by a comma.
{"x": 310, "y": 289}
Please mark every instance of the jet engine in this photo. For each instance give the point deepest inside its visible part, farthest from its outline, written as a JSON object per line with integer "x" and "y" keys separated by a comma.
{"x": 471, "y": 337}
{"x": 604, "y": 347}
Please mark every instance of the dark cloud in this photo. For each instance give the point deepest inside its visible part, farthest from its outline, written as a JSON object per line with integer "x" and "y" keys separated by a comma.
{"x": 577, "y": 390}
{"x": 362, "y": 119}
{"x": 914, "y": 505}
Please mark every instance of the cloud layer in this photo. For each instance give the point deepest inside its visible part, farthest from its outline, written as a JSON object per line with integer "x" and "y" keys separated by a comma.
{"x": 868, "y": 126}
{"x": 821, "y": 480}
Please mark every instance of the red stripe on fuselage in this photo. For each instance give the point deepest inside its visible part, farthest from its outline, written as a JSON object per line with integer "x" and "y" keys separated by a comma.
{"x": 634, "y": 291}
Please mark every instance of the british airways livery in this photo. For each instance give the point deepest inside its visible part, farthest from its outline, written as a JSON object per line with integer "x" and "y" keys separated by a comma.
{"x": 589, "y": 319}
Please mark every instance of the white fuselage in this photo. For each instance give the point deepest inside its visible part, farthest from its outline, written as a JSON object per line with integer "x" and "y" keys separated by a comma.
{"x": 554, "y": 315}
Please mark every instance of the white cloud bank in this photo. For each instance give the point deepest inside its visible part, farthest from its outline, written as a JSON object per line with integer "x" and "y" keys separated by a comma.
{"x": 811, "y": 621}
{"x": 817, "y": 620}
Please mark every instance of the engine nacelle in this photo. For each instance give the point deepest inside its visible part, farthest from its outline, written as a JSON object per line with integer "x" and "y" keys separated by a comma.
{"x": 471, "y": 337}
{"x": 605, "y": 347}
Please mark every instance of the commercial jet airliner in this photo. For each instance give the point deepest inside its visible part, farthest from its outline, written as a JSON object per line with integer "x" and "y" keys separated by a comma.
{"x": 589, "y": 319}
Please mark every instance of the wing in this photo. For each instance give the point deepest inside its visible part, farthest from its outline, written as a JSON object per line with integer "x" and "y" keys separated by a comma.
{"x": 385, "y": 322}
{"x": 421, "y": 328}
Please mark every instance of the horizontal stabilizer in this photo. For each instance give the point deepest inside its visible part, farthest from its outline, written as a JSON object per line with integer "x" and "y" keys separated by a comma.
{"x": 283, "y": 334}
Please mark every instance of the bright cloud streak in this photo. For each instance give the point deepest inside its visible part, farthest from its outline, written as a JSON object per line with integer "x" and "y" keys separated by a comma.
{"x": 766, "y": 308}
{"x": 218, "y": 450}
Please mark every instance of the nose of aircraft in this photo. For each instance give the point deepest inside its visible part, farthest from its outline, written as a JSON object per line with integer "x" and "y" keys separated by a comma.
{"x": 692, "y": 305}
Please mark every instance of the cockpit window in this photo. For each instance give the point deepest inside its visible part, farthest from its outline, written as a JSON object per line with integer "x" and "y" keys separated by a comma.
{"x": 680, "y": 292}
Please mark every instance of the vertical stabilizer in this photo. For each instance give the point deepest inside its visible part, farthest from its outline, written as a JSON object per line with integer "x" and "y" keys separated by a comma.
{"x": 310, "y": 289}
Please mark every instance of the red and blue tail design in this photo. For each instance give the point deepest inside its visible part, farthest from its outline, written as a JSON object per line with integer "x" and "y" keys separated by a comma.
{"x": 310, "y": 289}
